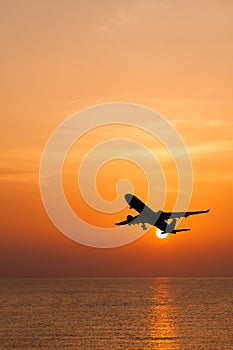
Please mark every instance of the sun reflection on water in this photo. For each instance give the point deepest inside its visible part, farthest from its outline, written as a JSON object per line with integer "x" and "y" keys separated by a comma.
{"x": 163, "y": 332}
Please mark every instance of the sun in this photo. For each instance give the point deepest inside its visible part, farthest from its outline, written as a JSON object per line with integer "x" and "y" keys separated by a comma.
{"x": 161, "y": 235}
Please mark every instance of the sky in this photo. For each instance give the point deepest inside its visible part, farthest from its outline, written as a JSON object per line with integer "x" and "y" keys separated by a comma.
{"x": 59, "y": 57}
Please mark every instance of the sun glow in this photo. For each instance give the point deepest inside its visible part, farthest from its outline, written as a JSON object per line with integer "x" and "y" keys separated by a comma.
{"x": 161, "y": 235}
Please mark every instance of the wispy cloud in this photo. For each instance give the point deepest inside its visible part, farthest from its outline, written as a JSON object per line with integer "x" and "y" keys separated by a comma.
{"x": 212, "y": 176}
{"x": 18, "y": 175}
{"x": 19, "y": 166}
{"x": 203, "y": 122}
{"x": 12, "y": 171}
{"x": 215, "y": 147}
{"x": 159, "y": 16}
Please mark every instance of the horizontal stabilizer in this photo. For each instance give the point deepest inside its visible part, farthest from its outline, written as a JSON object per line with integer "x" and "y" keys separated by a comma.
{"x": 180, "y": 230}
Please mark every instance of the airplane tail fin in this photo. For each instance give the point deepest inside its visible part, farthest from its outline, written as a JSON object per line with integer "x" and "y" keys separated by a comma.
{"x": 180, "y": 230}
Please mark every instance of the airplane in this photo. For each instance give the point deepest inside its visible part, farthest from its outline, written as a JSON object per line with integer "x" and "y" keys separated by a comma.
{"x": 158, "y": 219}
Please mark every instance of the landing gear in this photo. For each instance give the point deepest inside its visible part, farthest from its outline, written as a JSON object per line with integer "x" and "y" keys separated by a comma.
{"x": 144, "y": 227}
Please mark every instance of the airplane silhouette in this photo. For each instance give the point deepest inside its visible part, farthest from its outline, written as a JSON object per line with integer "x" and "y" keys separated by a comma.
{"x": 158, "y": 219}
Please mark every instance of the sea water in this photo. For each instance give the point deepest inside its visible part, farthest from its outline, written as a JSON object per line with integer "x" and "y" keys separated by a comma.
{"x": 140, "y": 313}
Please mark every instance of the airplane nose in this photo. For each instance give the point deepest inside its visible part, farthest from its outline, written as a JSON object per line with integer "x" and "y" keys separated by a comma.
{"x": 128, "y": 197}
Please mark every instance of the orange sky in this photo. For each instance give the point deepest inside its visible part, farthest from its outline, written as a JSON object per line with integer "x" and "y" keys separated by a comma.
{"x": 58, "y": 57}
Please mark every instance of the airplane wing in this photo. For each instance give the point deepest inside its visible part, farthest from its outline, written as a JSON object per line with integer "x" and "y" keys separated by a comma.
{"x": 131, "y": 220}
{"x": 180, "y": 214}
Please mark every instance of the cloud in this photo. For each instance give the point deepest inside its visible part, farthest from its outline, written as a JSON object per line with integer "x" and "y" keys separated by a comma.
{"x": 20, "y": 165}
{"x": 12, "y": 171}
{"x": 124, "y": 20}
{"x": 162, "y": 17}
{"x": 212, "y": 176}
{"x": 18, "y": 175}
{"x": 215, "y": 147}
{"x": 203, "y": 122}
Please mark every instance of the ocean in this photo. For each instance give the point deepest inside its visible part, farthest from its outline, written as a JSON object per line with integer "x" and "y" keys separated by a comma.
{"x": 116, "y": 313}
